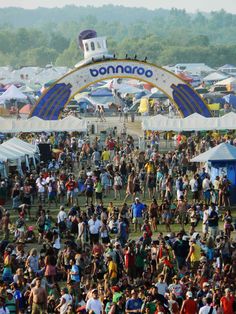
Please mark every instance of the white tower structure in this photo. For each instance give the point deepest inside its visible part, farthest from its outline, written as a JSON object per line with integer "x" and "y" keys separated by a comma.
{"x": 94, "y": 48}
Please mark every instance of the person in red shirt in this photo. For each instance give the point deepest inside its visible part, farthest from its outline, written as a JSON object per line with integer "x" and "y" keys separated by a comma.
{"x": 130, "y": 262}
{"x": 227, "y": 301}
{"x": 189, "y": 306}
{"x": 111, "y": 146}
{"x": 70, "y": 186}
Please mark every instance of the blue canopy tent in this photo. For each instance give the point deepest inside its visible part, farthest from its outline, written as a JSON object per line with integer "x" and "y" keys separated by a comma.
{"x": 221, "y": 161}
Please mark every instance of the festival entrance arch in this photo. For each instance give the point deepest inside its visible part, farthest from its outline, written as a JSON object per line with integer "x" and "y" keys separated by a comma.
{"x": 182, "y": 95}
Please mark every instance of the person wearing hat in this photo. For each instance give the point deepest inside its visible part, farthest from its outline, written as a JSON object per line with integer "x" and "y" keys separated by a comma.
{"x": 94, "y": 305}
{"x": 65, "y": 301}
{"x": 176, "y": 288}
{"x": 137, "y": 214}
{"x": 189, "y": 306}
{"x": 202, "y": 293}
{"x": 118, "y": 306}
{"x": 116, "y": 293}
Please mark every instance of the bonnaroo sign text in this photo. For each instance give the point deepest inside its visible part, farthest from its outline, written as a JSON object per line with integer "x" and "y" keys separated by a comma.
{"x": 120, "y": 69}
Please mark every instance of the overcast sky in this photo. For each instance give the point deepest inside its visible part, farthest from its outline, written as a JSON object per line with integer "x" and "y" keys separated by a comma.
{"x": 189, "y": 5}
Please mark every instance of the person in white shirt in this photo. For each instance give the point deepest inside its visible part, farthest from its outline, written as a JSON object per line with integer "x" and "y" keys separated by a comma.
{"x": 41, "y": 183}
{"x": 161, "y": 285}
{"x": 65, "y": 301}
{"x": 206, "y": 186}
{"x": 205, "y": 220}
{"x": 80, "y": 144}
{"x": 94, "y": 304}
{"x": 94, "y": 229}
{"x": 194, "y": 188}
{"x": 61, "y": 220}
{"x": 207, "y": 308}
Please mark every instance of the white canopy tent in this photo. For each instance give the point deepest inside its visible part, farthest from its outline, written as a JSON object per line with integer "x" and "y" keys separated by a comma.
{"x": 215, "y": 76}
{"x": 36, "y": 124}
{"x": 12, "y": 156}
{"x": 16, "y": 151}
{"x": 19, "y": 143}
{"x": 12, "y": 93}
{"x": 194, "y": 122}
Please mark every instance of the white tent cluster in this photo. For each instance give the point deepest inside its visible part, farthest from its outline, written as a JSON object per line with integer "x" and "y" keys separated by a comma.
{"x": 31, "y": 75}
{"x": 15, "y": 151}
{"x": 35, "y": 124}
{"x": 194, "y": 122}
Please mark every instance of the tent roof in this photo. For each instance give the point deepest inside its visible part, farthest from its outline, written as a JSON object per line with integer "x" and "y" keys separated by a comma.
{"x": 227, "y": 81}
{"x": 215, "y": 76}
{"x": 18, "y": 142}
{"x": 193, "y": 122}
{"x": 12, "y": 93}
{"x": 226, "y": 66}
{"x": 223, "y": 151}
{"x": 9, "y": 153}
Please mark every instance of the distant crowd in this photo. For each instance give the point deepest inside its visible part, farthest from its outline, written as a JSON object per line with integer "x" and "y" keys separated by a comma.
{"x": 108, "y": 228}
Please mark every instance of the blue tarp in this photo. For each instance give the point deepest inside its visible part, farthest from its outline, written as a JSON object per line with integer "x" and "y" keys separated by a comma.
{"x": 230, "y": 99}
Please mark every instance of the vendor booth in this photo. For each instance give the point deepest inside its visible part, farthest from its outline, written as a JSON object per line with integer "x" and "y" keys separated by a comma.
{"x": 221, "y": 161}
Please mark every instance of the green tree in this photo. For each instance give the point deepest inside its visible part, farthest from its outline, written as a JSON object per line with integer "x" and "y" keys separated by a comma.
{"x": 38, "y": 57}
{"x": 58, "y": 42}
{"x": 70, "y": 56}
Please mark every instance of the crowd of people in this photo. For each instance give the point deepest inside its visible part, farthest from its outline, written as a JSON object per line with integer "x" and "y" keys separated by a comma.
{"x": 108, "y": 228}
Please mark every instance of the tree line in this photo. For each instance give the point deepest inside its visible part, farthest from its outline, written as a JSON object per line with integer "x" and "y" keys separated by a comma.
{"x": 163, "y": 36}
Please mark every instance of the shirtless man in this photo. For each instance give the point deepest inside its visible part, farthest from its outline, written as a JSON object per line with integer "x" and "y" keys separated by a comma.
{"x": 38, "y": 298}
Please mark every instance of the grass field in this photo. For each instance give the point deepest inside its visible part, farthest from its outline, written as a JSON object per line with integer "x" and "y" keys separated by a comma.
{"x": 117, "y": 203}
